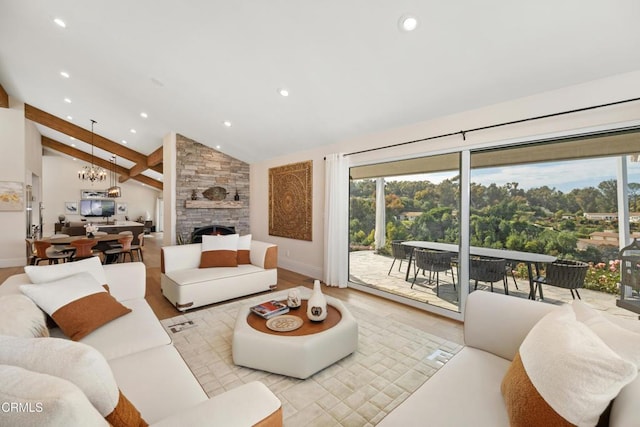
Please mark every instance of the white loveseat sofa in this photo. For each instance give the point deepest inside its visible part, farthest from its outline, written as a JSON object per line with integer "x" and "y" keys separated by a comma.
{"x": 148, "y": 369}
{"x": 467, "y": 390}
{"x": 187, "y": 286}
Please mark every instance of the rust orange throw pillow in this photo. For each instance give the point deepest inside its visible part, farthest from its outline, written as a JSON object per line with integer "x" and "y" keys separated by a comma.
{"x": 219, "y": 251}
{"x": 78, "y": 304}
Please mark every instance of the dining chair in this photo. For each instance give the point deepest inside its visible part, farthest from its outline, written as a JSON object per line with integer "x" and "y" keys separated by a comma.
{"x": 399, "y": 252}
{"x": 83, "y": 249}
{"x": 435, "y": 262}
{"x": 44, "y": 252}
{"x": 564, "y": 273}
{"x": 138, "y": 248}
{"x": 488, "y": 270}
{"x": 119, "y": 254}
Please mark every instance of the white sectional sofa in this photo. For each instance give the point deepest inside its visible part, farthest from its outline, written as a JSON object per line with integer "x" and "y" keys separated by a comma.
{"x": 187, "y": 286}
{"x": 467, "y": 390}
{"x": 149, "y": 370}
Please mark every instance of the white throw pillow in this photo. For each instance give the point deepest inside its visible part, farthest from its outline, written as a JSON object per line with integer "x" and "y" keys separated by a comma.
{"x": 563, "y": 371}
{"x": 78, "y": 304}
{"x": 50, "y": 273}
{"x": 219, "y": 251}
{"x": 621, "y": 340}
{"x": 244, "y": 249}
{"x": 35, "y": 399}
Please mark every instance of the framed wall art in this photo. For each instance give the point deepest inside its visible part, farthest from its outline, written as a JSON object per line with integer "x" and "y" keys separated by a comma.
{"x": 11, "y": 196}
{"x": 121, "y": 208}
{"x": 93, "y": 194}
{"x": 71, "y": 208}
{"x": 290, "y": 200}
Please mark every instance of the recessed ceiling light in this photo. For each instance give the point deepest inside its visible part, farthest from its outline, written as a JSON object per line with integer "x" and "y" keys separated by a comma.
{"x": 408, "y": 23}
{"x": 73, "y": 145}
{"x": 217, "y": 147}
{"x": 60, "y": 23}
{"x": 124, "y": 142}
{"x": 144, "y": 115}
{"x": 69, "y": 118}
{"x": 64, "y": 74}
{"x": 227, "y": 123}
{"x": 283, "y": 92}
{"x": 132, "y": 131}
{"x": 67, "y": 100}
{"x": 74, "y": 159}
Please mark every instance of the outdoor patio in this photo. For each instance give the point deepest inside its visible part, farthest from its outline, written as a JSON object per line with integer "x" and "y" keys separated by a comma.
{"x": 371, "y": 269}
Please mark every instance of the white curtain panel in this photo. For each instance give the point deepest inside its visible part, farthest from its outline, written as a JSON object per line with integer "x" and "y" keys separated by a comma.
{"x": 336, "y": 220}
{"x": 381, "y": 220}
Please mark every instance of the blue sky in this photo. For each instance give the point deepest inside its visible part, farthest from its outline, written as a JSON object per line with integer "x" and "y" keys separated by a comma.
{"x": 564, "y": 175}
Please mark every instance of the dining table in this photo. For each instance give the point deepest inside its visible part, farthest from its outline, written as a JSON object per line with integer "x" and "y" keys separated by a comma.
{"x": 532, "y": 260}
{"x": 103, "y": 242}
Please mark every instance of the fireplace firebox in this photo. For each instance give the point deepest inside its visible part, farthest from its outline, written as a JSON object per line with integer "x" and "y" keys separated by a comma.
{"x": 198, "y": 232}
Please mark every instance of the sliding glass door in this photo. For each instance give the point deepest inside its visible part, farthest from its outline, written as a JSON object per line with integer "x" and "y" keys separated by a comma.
{"x": 418, "y": 226}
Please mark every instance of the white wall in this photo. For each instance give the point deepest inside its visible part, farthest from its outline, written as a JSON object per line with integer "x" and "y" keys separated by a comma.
{"x": 12, "y": 168}
{"x": 307, "y": 257}
{"x": 61, "y": 184}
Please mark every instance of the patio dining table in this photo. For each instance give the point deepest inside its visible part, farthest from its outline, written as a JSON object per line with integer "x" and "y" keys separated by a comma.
{"x": 532, "y": 260}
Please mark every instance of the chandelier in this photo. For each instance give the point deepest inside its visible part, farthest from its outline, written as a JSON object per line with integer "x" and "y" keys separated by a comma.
{"x": 92, "y": 173}
{"x": 114, "y": 190}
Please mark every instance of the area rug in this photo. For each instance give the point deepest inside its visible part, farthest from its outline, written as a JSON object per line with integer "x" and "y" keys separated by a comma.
{"x": 392, "y": 361}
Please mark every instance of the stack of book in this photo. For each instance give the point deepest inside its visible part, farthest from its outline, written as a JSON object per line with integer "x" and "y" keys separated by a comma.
{"x": 270, "y": 309}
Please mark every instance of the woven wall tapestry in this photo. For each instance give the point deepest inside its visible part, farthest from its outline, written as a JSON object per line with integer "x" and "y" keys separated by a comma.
{"x": 290, "y": 200}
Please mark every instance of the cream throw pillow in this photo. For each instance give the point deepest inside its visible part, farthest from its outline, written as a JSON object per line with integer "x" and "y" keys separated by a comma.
{"x": 564, "y": 368}
{"x": 78, "y": 304}
{"x": 45, "y": 400}
{"x": 77, "y": 363}
{"x": 244, "y": 249}
{"x": 51, "y": 273}
{"x": 21, "y": 317}
{"x": 621, "y": 340}
{"x": 219, "y": 251}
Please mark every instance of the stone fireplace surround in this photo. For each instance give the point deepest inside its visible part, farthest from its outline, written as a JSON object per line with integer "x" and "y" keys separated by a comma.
{"x": 199, "y": 167}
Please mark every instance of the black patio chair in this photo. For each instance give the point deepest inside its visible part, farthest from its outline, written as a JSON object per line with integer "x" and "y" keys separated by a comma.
{"x": 399, "y": 252}
{"x": 566, "y": 274}
{"x": 435, "y": 262}
{"x": 488, "y": 270}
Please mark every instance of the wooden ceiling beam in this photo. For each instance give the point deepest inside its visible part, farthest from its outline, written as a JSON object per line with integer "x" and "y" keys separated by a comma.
{"x": 105, "y": 164}
{"x": 70, "y": 129}
{"x": 4, "y": 98}
{"x": 155, "y": 158}
{"x": 154, "y": 161}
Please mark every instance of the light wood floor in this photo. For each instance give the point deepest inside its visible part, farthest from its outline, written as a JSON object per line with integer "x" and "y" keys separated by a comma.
{"x": 446, "y": 328}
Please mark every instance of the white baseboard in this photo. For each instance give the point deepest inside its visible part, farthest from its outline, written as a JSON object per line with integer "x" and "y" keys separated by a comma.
{"x": 12, "y": 262}
{"x": 301, "y": 268}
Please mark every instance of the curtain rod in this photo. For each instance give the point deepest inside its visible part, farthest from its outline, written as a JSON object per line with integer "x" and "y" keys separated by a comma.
{"x": 464, "y": 132}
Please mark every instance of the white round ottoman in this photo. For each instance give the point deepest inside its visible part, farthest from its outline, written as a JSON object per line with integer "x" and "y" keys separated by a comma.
{"x": 294, "y": 356}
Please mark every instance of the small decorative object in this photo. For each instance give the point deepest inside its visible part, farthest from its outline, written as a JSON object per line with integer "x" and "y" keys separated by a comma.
{"x": 90, "y": 229}
{"x": 215, "y": 193}
{"x": 237, "y": 196}
{"x": 317, "y": 304}
{"x": 293, "y": 300}
{"x": 61, "y": 218}
{"x": 194, "y": 195}
{"x": 284, "y": 323}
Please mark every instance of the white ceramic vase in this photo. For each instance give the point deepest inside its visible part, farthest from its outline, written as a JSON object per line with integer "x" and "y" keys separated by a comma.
{"x": 317, "y": 304}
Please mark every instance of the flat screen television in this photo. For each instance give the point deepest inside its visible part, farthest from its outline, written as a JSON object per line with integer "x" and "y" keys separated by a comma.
{"x": 104, "y": 208}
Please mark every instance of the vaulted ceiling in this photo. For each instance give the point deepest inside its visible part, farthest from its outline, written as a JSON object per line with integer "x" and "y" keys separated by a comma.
{"x": 350, "y": 70}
